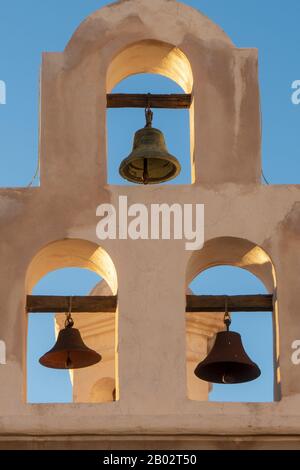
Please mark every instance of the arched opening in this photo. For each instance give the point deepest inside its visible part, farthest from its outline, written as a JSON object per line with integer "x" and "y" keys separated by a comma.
{"x": 221, "y": 268}
{"x": 68, "y": 268}
{"x": 158, "y": 68}
{"x": 103, "y": 390}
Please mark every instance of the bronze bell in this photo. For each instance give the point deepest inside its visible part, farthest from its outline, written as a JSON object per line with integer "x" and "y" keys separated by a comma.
{"x": 69, "y": 351}
{"x": 228, "y": 362}
{"x": 149, "y": 161}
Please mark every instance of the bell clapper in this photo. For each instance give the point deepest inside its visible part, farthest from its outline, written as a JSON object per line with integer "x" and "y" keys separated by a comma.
{"x": 145, "y": 172}
{"x": 69, "y": 363}
{"x": 149, "y": 119}
{"x": 69, "y": 323}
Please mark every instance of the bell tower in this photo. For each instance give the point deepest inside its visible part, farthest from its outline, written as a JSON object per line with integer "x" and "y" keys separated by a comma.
{"x": 247, "y": 224}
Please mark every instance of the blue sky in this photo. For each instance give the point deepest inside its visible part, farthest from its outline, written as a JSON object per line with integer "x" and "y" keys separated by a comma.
{"x": 27, "y": 28}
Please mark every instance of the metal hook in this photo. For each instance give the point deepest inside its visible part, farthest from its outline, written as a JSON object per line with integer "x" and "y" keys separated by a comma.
{"x": 69, "y": 323}
{"x": 148, "y": 112}
{"x": 227, "y": 318}
{"x": 149, "y": 117}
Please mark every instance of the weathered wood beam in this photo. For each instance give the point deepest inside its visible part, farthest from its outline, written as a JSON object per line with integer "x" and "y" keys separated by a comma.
{"x": 174, "y": 101}
{"x": 236, "y": 303}
{"x": 194, "y": 303}
{"x": 60, "y": 304}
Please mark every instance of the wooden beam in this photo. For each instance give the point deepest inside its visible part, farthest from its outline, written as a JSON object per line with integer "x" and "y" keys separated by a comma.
{"x": 174, "y": 101}
{"x": 236, "y": 303}
{"x": 60, "y": 304}
{"x": 194, "y": 303}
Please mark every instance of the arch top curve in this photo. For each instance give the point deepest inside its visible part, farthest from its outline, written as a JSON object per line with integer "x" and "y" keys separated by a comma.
{"x": 162, "y": 59}
{"x": 71, "y": 253}
{"x": 232, "y": 251}
{"x": 168, "y": 21}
